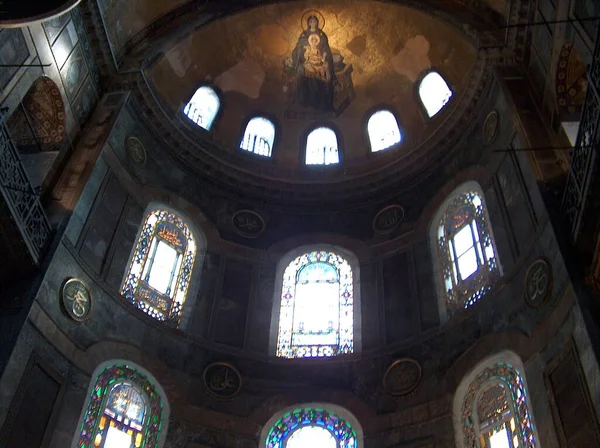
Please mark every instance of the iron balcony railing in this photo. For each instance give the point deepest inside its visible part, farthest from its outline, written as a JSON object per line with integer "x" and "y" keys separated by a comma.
{"x": 20, "y": 197}
{"x": 583, "y": 161}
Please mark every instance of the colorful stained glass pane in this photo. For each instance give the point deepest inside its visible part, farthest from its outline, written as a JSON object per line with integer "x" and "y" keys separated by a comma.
{"x": 311, "y": 427}
{"x": 160, "y": 269}
{"x": 316, "y": 314}
{"x": 126, "y": 401}
{"x": 466, "y": 251}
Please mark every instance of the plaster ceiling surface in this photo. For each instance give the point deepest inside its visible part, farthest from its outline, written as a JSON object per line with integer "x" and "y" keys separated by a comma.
{"x": 381, "y": 50}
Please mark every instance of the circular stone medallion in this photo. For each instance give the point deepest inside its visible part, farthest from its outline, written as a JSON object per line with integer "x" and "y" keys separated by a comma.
{"x": 538, "y": 282}
{"x": 490, "y": 127}
{"x": 222, "y": 381}
{"x": 248, "y": 224}
{"x": 388, "y": 219}
{"x": 402, "y": 377}
{"x": 136, "y": 150}
{"x": 77, "y": 300}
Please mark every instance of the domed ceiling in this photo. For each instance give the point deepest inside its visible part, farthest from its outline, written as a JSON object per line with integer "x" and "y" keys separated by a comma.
{"x": 379, "y": 52}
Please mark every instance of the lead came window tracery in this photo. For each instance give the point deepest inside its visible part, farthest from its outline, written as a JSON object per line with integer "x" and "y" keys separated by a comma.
{"x": 311, "y": 427}
{"x": 316, "y": 312}
{"x": 466, "y": 251}
{"x": 159, "y": 272}
{"x": 322, "y": 147}
{"x": 496, "y": 411}
{"x": 124, "y": 411}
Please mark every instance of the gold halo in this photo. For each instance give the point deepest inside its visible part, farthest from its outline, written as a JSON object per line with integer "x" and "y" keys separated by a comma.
{"x": 312, "y": 12}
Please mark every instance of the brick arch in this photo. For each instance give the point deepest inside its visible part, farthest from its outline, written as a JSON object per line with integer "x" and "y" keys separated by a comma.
{"x": 39, "y": 123}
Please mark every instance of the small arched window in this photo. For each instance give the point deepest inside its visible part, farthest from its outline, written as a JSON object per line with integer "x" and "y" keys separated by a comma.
{"x": 125, "y": 410}
{"x": 465, "y": 249}
{"x": 322, "y": 147}
{"x": 383, "y": 130}
{"x": 434, "y": 93}
{"x": 259, "y": 136}
{"x": 317, "y": 425}
{"x": 160, "y": 269}
{"x": 316, "y": 316}
{"x": 494, "y": 408}
{"x": 203, "y": 107}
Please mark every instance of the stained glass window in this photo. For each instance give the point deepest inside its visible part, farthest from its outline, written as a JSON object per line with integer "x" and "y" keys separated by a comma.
{"x": 322, "y": 147}
{"x": 311, "y": 427}
{"x": 383, "y": 130}
{"x": 203, "y": 107}
{"x": 259, "y": 136}
{"x": 124, "y": 411}
{"x": 466, "y": 251}
{"x": 434, "y": 93}
{"x": 316, "y": 316}
{"x": 159, "y": 272}
{"x": 496, "y": 411}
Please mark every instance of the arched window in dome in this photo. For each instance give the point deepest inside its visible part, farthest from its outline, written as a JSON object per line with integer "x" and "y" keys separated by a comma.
{"x": 316, "y": 316}
{"x": 259, "y": 136}
{"x": 124, "y": 410}
{"x": 463, "y": 245}
{"x": 492, "y": 407}
{"x": 322, "y": 147}
{"x": 161, "y": 266}
{"x": 317, "y": 426}
{"x": 434, "y": 93}
{"x": 383, "y": 130}
{"x": 203, "y": 107}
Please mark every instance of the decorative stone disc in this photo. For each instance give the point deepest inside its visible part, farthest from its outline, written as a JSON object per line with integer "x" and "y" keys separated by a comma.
{"x": 388, "y": 219}
{"x": 538, "y": 282}
{"x": 136, "y": 150}
{"x": 402, "y": 377}
{"x": 248, "y": 223}
{"x": 76, "y": 299}
{"x": 222, "y": 381}
{"x": 490, "y": 127}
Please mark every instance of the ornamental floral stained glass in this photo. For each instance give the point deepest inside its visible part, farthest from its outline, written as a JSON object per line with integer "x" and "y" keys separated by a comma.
{"x": 311, "y": 427}
{"x": 159, "y": 272}
{"x": 124, "y": 411}
{"x": 496, "y": 410}
{"x": 466, "y": 251}
{"x": 316, "y": 316}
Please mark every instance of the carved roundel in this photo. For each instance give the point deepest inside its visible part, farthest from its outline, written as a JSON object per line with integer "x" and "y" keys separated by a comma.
{"x": 76, "y": 299}
{"x": 490, "y": 127}
{"x": 136, "y": 150}
{"x": 248, "y": 224}
{"x": 538, "y": 282}
{"x": 388, "y": 219}
{"x": 222, "y": 381}
{"x": 402, "y": 377}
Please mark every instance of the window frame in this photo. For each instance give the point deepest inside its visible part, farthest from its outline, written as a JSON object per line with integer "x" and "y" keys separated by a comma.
{"x": 251, "y": 155}
{"x": 417, "y": 95}
{"x": 192, "y": 124}
{"x": 283, "y": 263}
{"x": 139, "y": 377}
{"x": 372, "y": 111}
{"x": 304, "y": 140}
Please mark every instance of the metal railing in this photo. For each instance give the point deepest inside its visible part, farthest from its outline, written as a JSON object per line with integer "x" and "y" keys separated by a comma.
{"x": 583, "y": 161}
{"x": 22, "y": 201}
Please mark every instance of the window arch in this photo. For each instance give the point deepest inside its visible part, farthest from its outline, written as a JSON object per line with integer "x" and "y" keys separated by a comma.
{"x": 259, "y": 136}
{"x": 491, "y": 406}
{"x": 321, "y": 425}
{"x": 126, "y": 409}
{"x": 383, "y": 130}
{"x": 322, "y": 147}
{"x": 463, "y": 245}
{"x": 203, "y": 107}
{"x": 434, "y": 93}
{"x": 316, "y": 281}
{"x": 161, "y": 265}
